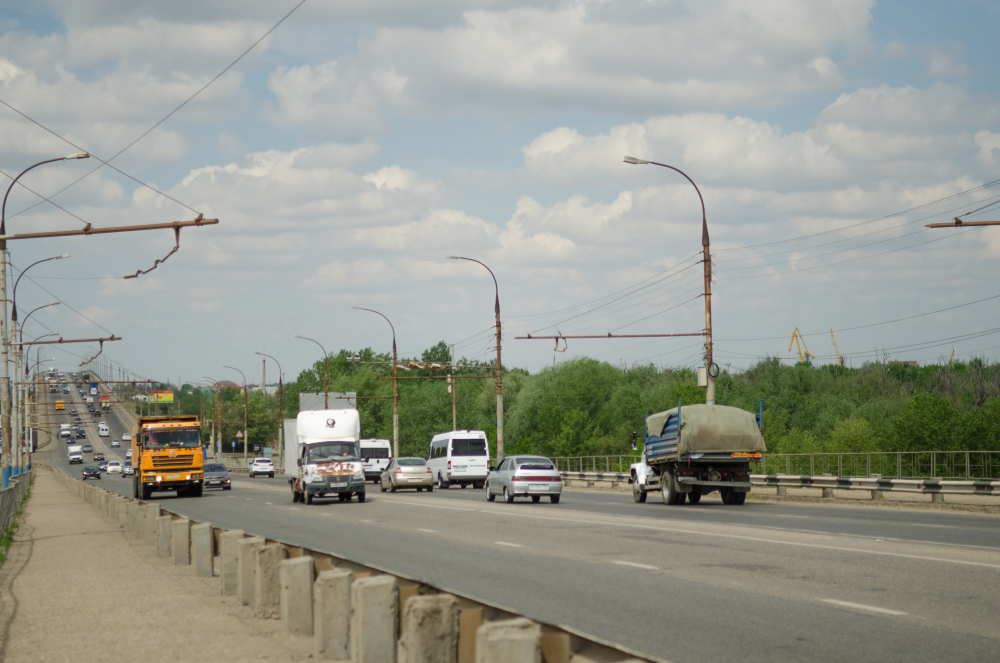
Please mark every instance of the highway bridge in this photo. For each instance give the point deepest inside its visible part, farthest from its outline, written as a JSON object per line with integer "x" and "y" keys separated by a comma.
{"x": 761, "y": 582}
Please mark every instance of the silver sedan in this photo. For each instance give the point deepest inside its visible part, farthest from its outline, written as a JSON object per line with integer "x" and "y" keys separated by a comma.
{"x": 407, "y": 473}
{"x": 524, "y": 476}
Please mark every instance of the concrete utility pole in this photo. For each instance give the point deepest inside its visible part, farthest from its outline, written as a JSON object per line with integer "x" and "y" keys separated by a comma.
{"x": 395, "y": 385}
{"x": 246, "y": 402}
{"x": 453, "y": 388}
{"x": 496, "y": 309}
{"x": 281, "y": 408}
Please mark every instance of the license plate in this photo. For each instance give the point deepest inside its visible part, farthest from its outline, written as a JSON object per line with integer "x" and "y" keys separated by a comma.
{"x": 461, "y": 468}
{"x": 173, "y": 476}
{"x": 537, "y": 487}
{"x": 212, "y": 483}
{"x": 415, "y": 480}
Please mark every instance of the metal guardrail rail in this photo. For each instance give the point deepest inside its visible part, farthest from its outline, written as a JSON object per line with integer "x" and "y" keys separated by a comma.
{"x": 830, "y": 482}
{"x": 951, "y": 465}
{"x": 10, "y": 499}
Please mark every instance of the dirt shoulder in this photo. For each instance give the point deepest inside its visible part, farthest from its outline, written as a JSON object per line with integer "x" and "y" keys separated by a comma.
{"x": 74, "y": 587}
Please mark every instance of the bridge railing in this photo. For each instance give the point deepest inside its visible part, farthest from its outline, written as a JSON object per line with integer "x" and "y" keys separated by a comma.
{"x": 953, "y": 465}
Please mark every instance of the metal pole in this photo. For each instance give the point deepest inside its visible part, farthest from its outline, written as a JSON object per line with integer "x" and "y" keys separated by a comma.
{"x": 281, "y": 407}
{"x": 246, "y": 401}
{"x": 395, "y": 384}
{"x": 496, "y": 309}
{"x": 454, "y": 390}
{"x": 326, "y": 372}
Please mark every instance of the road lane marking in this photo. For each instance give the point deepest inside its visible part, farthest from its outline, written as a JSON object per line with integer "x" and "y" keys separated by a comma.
{"x": 292, "y": 508}
{"x": 432, "y": 531}
{"x": 638, "y": 566}
{"x": 504, "y": 543}
{"x": 861, "y": 606}
{"x": 678, "y": 530}
{"x": 269, "y": 503}
{"x": 923, "y": 525}
{"x": 367, "y": 521}
{"x": 781, "y": 515}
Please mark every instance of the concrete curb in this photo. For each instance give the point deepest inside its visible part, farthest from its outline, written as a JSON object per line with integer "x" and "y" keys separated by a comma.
{"x": 352, "y": 611}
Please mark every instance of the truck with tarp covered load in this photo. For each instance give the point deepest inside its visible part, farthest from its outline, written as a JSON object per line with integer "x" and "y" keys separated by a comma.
{"x": 167, "y": 455}
{"x": 694, "y": 450}
{"x": 323, "y": 459}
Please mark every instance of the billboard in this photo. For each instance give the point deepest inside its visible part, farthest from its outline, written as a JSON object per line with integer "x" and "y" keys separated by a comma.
{"x": 161, "y": 397}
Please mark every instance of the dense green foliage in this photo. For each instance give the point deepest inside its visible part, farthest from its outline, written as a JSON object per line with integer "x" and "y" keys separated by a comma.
{"x": 587, "y": 407}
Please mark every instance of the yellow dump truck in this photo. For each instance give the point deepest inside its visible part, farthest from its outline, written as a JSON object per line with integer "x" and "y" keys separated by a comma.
{"x": 167, "y": 455}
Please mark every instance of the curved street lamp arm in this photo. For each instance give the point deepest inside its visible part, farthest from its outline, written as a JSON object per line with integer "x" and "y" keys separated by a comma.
{"x": 272, "y": 359}
{"x": 704, "y": 223}
{"x": 495, "y": 284}
{"x": 20, "y": 336}
{"x": 359, "y": 308}
{"x": 241, "y": 373}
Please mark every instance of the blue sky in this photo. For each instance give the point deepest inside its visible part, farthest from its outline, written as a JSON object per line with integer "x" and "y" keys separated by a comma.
{"x": 362, "y": 142}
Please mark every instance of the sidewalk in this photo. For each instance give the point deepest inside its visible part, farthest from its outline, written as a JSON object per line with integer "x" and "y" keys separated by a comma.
{"x": 76, "y": 588}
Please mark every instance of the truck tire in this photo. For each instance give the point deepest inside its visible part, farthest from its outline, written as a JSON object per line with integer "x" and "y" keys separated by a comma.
{"x": 739, "y": 498}
{"x": 309, "y": 499}
{"x": 727, "y": 496}
{"x": 668, "y": 490}
{"x": 197, "y": 490}
{"x": 638, "y": 494}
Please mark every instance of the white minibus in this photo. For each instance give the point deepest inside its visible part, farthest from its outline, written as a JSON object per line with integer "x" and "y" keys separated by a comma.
{"x": 460, "y": 456}
{"x": 102, "y": 429}
{"x": 375, "y": 456}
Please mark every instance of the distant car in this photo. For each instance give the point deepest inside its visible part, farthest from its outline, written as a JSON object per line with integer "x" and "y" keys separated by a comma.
{"x": 407, "y": 473}
{"x": 217, "y": 476}
{"x": 98, "y": 455}
{"x": 78, "y": 421}
{"x": 126, "y": 437}
{"x": 262, "y": 466}
{"x": 73, "y": 413}
{"x": 127, "y": 469}
{"x": 524, "y": 476}
{"x": 91, "y": 472}
{"x": 88, "y": 449}
{"x": 114, "y": 467}
{"x": 103, "y": 466}
{"x": 80, "y": 433}
{"x": 115, "y": 443}
{"x": 128, "y": 454}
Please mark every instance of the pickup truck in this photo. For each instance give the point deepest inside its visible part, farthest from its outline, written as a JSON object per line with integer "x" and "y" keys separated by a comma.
{"x": 694, "y": 450}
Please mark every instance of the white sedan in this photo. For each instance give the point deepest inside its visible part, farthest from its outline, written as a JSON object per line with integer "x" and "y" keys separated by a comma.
{"x": 127, "y": 437}
{"x": 128, "y": 454}
{"x": 114, "y": 467}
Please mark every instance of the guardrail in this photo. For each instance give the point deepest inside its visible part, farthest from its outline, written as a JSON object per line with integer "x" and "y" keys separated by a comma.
{"x": 316, "y": 593}
{"x": 953, "y": 465}
{"x": 10, "y": 499}
{"x": 827, "y": 483}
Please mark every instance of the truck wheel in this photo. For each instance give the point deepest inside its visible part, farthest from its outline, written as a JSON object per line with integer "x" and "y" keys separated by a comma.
{"x": 146, "y": 493}
{"x": 361, "y": 497}
{"x": 739, "y": 498}
{"x": 669, "y": 491}
{"x": 309, "y": 499}
{"x": 638, "y": 494}
{"x": 727, "y": 495}
{"x": 694, "y": 497}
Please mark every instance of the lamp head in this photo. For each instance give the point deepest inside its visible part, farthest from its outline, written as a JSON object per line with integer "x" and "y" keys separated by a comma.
{"x": 634, "y": 161}
{"x": 65, "y": 255}
{"x": 79, "y": 155}
{"x": 452, "y": 257}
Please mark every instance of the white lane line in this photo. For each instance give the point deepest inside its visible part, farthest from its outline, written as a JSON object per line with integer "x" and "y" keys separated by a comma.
{"x": 638, "y": 566}
{"x": 364, "y": 521}
{"x": 504, "y": 543}
{"x": 431, "y": 531}
{"x": 269, "y": 503}
{"x": 292, "y": 508}
{"x": 861, "y": 606}
{"x": 923, "y": 525}
{"x": 781, "y": 515}
{"x": 678, "y": 530}
{"x": 247, "y": 499}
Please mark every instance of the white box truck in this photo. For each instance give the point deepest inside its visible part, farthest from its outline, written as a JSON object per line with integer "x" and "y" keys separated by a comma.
{"x": 324, "y": 456}
{"x": 75, "y": 453}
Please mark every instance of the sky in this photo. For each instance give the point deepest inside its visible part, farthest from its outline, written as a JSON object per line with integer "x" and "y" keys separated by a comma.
{"x": 360, "y": 143}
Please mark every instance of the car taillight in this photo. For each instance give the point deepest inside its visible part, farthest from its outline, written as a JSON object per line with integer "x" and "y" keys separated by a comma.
{"x": 449, "y": 465}
{"x": 429, "y": 471}
{"x": 399, "y": 470}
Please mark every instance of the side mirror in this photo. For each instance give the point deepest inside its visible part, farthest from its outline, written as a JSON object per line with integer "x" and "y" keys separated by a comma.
{"x": 635, "y": 438}
{"x": 300, "y": 462}
{"x": 368, "y": 460}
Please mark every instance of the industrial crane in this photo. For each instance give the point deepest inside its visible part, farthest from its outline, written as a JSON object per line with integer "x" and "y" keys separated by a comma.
{"x": 840, "y": 359}
{"x": 800, "y": 343}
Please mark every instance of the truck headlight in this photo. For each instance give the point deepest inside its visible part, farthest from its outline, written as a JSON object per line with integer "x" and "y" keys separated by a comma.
{"x": 359, "y": 473}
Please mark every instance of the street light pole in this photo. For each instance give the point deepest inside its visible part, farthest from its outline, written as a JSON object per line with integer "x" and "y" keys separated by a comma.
{"x": 218, "y": 418}
{"x": 5, "y": 399}
{"x": 28, "y": 449}
{"x": 246, "y": 432}
{"x": 395, "y": 385}
{"x": 281, "y": 407}
{"x": 499, "y": 373}
{"x": 21, "y": 387}
{"x": 707, "y": 262}
{"x": 326, "y": 372}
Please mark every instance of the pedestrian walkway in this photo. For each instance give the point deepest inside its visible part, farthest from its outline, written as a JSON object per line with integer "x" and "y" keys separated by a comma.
{"x": 75, "y": 588}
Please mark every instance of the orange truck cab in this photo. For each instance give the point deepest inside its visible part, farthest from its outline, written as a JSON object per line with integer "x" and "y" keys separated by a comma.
{"x": 167, "y": 455}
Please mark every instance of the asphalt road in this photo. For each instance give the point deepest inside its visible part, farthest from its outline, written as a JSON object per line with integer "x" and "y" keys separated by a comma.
{"x": 759, "y": 582}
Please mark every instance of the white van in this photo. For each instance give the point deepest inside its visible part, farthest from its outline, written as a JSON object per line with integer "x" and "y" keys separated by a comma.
{"x": 102, "y": 429}
{"x": 375, "y": 456}
{"x": 64, "y": 431}
{"x": 460, "y": 456}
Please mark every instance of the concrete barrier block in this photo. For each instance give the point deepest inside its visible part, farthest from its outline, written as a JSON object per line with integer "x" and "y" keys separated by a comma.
{"x": 509, "y": 640}
{"x": 122, "y": 506}
{"x": 267, "y": 583}
{"x": 246, "y": 568}
{"x": 163, "y": 536}
{"x": 148, "y": 515}
{"x": 374, "y": 620}
{"x": 228, "y": 541}
{"x": 556, "y": 648}
{"x": 828, "y": 492}
{"x": 937, "y": 498}
{"x": 429, "y": 630}
{"x": 180, "y": 541}
{"x": 203, "y": 550}
{"x": 295, "y": 577}
{"x": 133, "y": 519}
{"x": 332, "y": 615}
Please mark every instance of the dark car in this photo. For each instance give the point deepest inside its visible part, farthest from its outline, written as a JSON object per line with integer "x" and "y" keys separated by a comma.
{"x": 103, "y": 466}
{"x": 81, "y": 434}
{"x": 73, "y": 413}
{"x": 217, "y": 476}
{"x": 91, "y": 472}
{"x": 90, "y": 407}
{"x": 97, "y": 413}
{"x": 77, "y": 421}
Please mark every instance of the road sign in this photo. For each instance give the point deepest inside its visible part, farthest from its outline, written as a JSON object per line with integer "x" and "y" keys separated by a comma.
{"x": 239, "y": 435}
{"x": 233, "y": 443}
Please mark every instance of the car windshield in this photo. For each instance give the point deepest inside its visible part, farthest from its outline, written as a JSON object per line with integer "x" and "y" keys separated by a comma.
{"x": 534, "y": 464}
{"x": 374, "y": 452}
{"x": 128, "y": 464}
{"x": 468, "y": 447}
{"x": 325, "y": 451}
{"x": 90, "y": 468}
{"x": 262, "y": 461}
{"x": 175, "y": 438}
{"x": 411, "y": 462}
{"x": 215, "y": 468}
